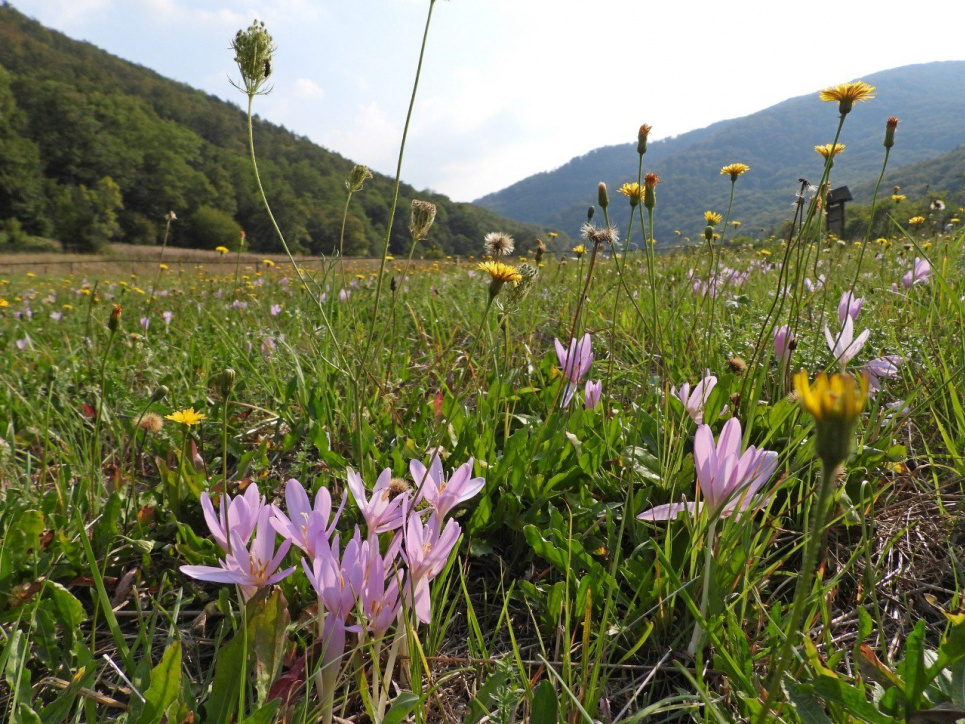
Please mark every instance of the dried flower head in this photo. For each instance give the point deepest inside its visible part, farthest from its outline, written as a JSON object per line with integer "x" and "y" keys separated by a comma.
{"x": 847, "y": 93}
{"x": 151, "y": 422}
{"x": 737, "y": 365}
{"x": 518, "y": 292}
{"x": 827, "y": 150}
{"x": 937, "y": 205}
{"x": 397, "y": 486}
{"x": 170, "y": 216}
{"x": 633, "y": 191}
{"x": 734, "y": 170}
{"x": 421, "y": 218}
{"x": 591, "y": 234}
{"x": 650, "y": 182}
{"x": 253, "y": 54}
{"x": 890, "y": 126}
{"x": 642, "y": 136}
{"x": 358, "y": 177}
{"x": 115, "y": 319}
{"x": 498, "y": 244}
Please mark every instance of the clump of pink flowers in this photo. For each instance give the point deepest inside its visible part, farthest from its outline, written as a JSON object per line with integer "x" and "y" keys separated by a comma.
{"x": 364, "y": 587}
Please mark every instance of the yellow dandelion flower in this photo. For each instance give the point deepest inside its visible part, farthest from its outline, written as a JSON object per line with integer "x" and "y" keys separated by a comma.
{"x": 898, "y": 198}
{"x": 186, "y": 417}
{"x": 712, "y": 218}
{"x": 633, "y": 191}
{"x": 734, "y": 170}
{"x": 4, "y": 303}
{"x": 553, "y": 235}
{"x": 847, "y": 93}
{"x": 162, "y": 267}
{"x": 835, "y": 403}
{"x": 268, "y": 263}
{"x": 826, "y": 149}
{"x": 221, "y": 250}
{"x": 579, "y": 250}
{"x": 500, "y": 272}
{"x": 30, "y": 275}
{"x": 916, "y": 220}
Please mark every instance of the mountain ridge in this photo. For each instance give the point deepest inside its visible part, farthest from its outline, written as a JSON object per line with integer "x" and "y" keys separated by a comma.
{"x": 776, "y": 142}
{"x": 94, "y": 147}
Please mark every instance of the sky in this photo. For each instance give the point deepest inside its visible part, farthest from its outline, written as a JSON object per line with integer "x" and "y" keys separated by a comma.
{"x": 510, "y": 88}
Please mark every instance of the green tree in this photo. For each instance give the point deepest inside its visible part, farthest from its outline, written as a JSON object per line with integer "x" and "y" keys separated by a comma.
{"x": 86, "y": 218}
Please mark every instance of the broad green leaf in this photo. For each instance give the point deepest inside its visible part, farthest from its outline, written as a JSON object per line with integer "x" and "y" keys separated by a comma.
{"x": 165, "y": 686}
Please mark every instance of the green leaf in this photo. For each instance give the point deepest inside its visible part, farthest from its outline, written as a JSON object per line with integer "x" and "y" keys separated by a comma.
{"x": 268, "y": 632}
{"x": 808, "y": 708}
{"x": 546, "y": 705}
{"x": 402, "y": 706}
{"x": 165, "y": 686}
{"x": 838, "y": 690}
{"x": 264, "y": 715}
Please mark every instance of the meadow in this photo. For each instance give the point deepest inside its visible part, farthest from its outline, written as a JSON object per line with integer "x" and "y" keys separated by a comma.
{"x": 716, "y": 484}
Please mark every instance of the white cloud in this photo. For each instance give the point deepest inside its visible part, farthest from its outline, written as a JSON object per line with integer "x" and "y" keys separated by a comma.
{"x": 306, "y": 88}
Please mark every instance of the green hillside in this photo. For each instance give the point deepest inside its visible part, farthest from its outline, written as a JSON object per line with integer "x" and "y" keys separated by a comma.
{"x": 778, "y": 145}
{"x": 93, "y": 147}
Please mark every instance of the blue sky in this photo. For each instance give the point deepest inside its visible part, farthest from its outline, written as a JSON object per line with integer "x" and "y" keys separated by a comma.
{"x": 514, "y": 87}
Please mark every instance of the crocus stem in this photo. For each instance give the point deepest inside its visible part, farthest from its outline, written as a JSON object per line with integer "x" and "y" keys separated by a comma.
{"x": 805, "y": 583}
{"x": 376, "y": 673}
{"x": 389, "y": 667}
{"x": 697, "y": 639}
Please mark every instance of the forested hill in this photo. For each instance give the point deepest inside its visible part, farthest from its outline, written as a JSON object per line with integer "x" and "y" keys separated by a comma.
{"x": 93, "y": 147}
{"x": 777, "y": 143}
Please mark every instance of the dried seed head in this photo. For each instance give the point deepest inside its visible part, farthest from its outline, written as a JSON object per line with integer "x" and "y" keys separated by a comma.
{"x": 890, "y": 127}
{"x": 498, "y": 244}
{"x": 421, "y": 219}
{"x": 397, "y": 486}
{"x": 151, "y": 422}
{"x": 115, "y": 319}
{"x": 737, "y": 365}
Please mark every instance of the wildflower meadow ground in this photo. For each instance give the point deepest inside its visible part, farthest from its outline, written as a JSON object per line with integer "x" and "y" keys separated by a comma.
{"x": 720, "y": 483}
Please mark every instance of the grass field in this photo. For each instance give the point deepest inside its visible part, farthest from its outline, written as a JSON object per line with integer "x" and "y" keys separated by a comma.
{"x": 557, "y": 598}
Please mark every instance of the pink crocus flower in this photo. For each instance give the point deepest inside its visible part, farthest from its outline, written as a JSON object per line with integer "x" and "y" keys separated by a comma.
{"x": 379, "y": 598}
{"x": 274, "y": 310}
{"x": 849, "y": 306}
{"x": 694, "y": 400}
{"x": 442, "y": 494}
{"x": 882, "y": 367}
{"x": 145, "y": 323}
{"x": 592, "y": 394}
{"x": 250, "y": 569}
{"x": 920, "y": 273}
{"x": 56, "y": 316}
{"x": 845, "y": 346}
{"x": 381, "y": 512}
{"x": 575, "y": 362}
{"x": 784, "y": 344}
{"x": 336, "y": 579}
{"x": 167, "y": 316}
{"x": 425, "y": 553}
{"x": 728, "y": 480}
{"x": 307, "y": 524}
{"x": 239, "y": 514}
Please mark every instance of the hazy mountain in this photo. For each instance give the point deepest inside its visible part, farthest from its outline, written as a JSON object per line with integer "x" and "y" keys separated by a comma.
{"x": 777, "y": 143}
{"x": 93, "y": 147}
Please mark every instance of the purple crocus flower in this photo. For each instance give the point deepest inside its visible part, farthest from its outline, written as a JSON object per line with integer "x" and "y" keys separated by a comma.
{"x": 425, "y": 553}
{"x": 167, "y": 316}
{"x": 250, "y": 569}
{"x": 344, "y": 294}
{"x": 379, "y": 598}
{"x": 145, "y": 323}
{"x": 381, "y": 512}
{"x": 336, "y": 579}
{"x": 695, "y": 399}
{"x": 849, "y": 306}
{"x": 728, "y": 480}
{"x": 25, "y": 343}
{"x": 575, "y": 362}
{"x": 239, "y": 514}
{"x": 442, "y": 494}
{"x": 920, "y": 273}
{"x": 274, "y": 310}
{"x": 882, "y": 367}
{"x": 307, "y": 524}
{"x": 784, "y": 343}
{"x": 592, "y": 393}
{"x": 845, "y": 346}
